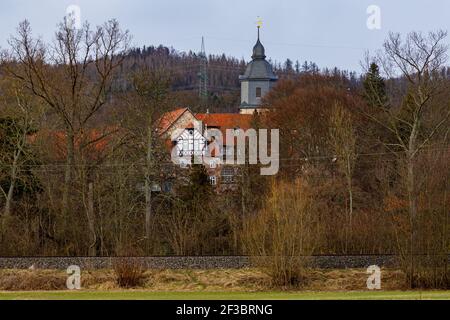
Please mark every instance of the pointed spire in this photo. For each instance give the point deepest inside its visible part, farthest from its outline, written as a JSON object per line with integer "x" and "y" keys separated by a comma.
{"x": 258, "y": 49}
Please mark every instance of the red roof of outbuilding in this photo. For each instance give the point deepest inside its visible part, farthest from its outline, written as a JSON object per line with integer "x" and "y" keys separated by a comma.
{"x": 226, "y": 120}
{"x": 169, "y": 118}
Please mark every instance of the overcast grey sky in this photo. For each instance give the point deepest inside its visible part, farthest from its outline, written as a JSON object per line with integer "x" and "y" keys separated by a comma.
{"x": 328, "y": 32}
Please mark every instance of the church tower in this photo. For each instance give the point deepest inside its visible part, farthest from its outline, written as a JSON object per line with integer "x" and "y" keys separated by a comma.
{"x": 257, "y": 80}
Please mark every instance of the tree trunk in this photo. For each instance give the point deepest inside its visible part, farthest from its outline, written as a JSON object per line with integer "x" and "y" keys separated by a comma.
{"x": 148, "y": 207}
{"x": 91, "y": 222}
{"x": 148, "y": 186}
{"x": 70, "y": 161}
{"x": 9, "y": 197}
{"x": 244, "y": 191}
{"x": 445, "y": 237}
{"x": 412, "y": 202}
{"x": 348, "y": 174}
{"x": 412, "y": 199}
{"x": 350, "y": 191}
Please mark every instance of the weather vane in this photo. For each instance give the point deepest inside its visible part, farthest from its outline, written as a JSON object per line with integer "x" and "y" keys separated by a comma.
{"x": 259, "y": 22}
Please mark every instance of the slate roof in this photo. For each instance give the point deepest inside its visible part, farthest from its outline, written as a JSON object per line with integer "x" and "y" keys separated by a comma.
{"x": 258, "y": 68}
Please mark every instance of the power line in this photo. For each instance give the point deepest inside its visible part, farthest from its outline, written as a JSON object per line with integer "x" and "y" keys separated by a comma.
{"x": 305, "y": 159}
{"x": 311, "y": 45}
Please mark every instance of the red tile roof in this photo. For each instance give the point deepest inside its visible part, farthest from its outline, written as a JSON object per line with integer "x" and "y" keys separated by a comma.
{"x": 221, "y": 121}
{"x": 169, "y": 118}
{"x": 94, "y": 140}
{"x": 226, "y": 120}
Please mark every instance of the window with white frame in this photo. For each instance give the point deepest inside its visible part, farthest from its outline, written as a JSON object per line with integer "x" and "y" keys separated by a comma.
{"x": 213, "y": 180}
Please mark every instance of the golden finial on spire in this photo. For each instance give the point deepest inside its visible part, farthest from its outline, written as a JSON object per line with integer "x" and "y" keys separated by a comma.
{"x": 259, "y": 22}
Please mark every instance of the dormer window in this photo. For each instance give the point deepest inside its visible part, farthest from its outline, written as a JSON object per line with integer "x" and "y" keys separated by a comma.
{"x": 258, "y": 92}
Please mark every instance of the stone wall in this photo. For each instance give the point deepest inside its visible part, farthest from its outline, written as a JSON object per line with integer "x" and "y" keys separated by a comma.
{"x": 207, "y": 262}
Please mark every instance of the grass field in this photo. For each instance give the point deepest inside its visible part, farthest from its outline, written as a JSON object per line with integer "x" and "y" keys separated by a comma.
{"x": 226, "y": 284}
{"x": 149, "y": 295}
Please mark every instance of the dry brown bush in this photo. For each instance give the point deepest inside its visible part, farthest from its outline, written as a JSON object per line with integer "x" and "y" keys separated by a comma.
{"x": 237, "y": 280}
{"x": 282, "y": 236}
{"x": 24, "y": 280}
{"x": 129, "y": 272}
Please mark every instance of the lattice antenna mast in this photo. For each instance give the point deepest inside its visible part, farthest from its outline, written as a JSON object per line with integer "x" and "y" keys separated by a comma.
{"x": 203, "y": 73}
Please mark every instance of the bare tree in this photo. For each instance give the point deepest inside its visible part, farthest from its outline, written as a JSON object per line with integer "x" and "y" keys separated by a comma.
{"x": 19, "y": 112}
{"x": 147, "y": 103}
{"x": 73, "y": 76}
{"x": 343, "y": 140}
{"x": 284, "y": 234}
{"x": 418, "y": 60}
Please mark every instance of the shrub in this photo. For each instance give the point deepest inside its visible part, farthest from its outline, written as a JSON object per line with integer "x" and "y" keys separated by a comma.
{"x": 129, "y": 272}
{"x": 27, "y": 280}
{"x": 281, "y": 237}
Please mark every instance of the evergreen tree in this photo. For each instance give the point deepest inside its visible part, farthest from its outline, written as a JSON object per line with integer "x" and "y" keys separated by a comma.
{"x": 297, "y": 66}
{"x": 288, "y": 65}
{"x": 199, "y": 189}
{"x": 374, "y": 87}
{"x": 305, "y": 67}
